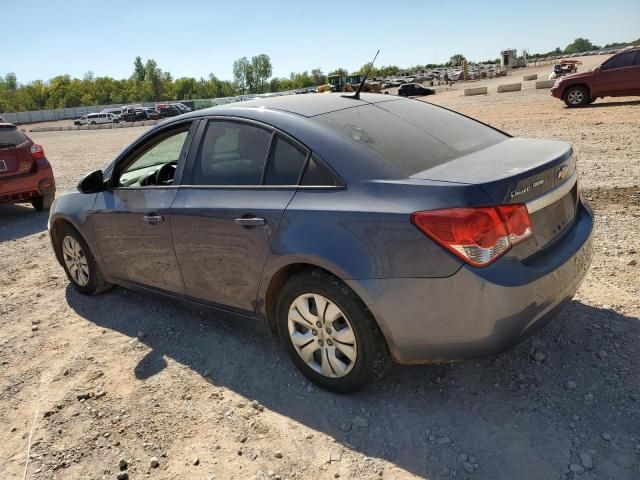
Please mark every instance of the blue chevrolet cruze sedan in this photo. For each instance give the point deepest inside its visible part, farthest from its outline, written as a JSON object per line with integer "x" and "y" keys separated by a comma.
{"x": 361, "y": 230}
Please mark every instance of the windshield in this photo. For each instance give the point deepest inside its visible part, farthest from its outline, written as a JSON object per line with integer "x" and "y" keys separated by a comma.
{"x": 11, "y": 136}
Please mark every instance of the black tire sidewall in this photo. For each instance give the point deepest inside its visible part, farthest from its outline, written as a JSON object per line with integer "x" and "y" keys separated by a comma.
{"x": 95, "y": 284}
{"x": 372, "y": 350}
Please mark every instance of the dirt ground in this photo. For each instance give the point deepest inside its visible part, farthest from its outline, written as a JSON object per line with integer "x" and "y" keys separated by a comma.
{"x": 176, "y": 393}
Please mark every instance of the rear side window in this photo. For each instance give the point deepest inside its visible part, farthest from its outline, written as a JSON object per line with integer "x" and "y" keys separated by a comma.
{"x": 412, "y": 135}
{"x": 318, "y": 175}
{"x": 285, "y": 164}
{"x": 231, "y": 153}
{"x": 11, "y": 136}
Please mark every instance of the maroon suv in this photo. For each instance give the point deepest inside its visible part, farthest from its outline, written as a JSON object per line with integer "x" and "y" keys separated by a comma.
{"x": 617, "y": 77}
{"x": 25, "y": 173}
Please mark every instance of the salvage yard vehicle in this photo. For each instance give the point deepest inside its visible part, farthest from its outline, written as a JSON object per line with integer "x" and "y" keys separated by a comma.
{"x": 414, "y": 90}
{"x": 25, "y": 172}
{"x": 359, "y": 228}
{"x": 96, "y": 119}
{"x": 619, "y": 76}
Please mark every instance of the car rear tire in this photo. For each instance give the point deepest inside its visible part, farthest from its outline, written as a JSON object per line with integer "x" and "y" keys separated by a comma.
{"x": 43, "y": 203}
{"x": 78, "y": 262}
{"x": 330, "y": 335}
{"x": 576, "y": 96}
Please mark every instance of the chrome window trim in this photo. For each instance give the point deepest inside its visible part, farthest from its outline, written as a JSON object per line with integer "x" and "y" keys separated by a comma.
{"x": 552, "y": 196}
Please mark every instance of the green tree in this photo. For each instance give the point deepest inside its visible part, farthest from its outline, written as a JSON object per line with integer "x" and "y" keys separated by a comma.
{"x": 152, "y": 81}
{"x": 338, "y": 71}
{"x": 260, "y": 72}
{"x": 138, "y": 70}
{"x": 457, "y": 59}
{"x": 580, "y": 45}
{"x": 319, "y": 78}
{"x": 241, "y": 71}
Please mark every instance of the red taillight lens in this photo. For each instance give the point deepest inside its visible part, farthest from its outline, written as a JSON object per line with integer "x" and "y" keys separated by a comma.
{"x": 479, "y": 235}
{"x": 516, "y": 219}
{"x": 37, "y": 151}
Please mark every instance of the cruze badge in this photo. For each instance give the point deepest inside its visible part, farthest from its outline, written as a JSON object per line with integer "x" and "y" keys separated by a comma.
{"x": 563, "y": 173}
{"x": 528, "y": 188}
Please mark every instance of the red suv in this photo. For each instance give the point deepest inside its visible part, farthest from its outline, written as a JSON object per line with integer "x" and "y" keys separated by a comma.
{"x": 617, "y": 77}
{"x": 25, "y": 173}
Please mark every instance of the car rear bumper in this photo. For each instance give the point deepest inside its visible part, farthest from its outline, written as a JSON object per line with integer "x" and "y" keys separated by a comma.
{"x": 478, "y": 311}
{"x": 22, "y": 188}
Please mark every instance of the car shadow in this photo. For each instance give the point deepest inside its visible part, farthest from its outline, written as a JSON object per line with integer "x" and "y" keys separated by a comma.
{"x": 597, "y": 104}
{"x": 504, "y": 417}
{"x": 17, "y": 221}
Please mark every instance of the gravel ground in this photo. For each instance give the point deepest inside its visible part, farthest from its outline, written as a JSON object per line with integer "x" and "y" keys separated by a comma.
{"x": 125, "y": 385}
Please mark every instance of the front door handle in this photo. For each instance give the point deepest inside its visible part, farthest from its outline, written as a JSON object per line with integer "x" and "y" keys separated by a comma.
{"x": 153, "y": 219}
{"x": 250, "y": 221}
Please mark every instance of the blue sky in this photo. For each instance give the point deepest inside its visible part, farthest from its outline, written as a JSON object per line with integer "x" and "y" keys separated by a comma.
{"x": 195, "y": 37}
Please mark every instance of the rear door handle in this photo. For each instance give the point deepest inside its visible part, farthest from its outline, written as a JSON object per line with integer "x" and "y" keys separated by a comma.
{"x": 153, "y": 219}
{"x": 250, "y": 221}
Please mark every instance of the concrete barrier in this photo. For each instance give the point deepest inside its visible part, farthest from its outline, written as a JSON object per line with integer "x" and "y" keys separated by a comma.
{"x": 475, "y": 91}
{"x": 530, "y": 77}
{"x": 545, "y": 83}
{"x": 104, "y": 126}
{"x": 510, "y": 87}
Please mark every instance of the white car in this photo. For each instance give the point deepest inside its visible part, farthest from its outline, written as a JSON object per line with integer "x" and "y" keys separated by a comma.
{"x": 96, "y": 119}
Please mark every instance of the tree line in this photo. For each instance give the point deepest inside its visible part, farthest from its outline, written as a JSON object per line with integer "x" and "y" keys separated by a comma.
{"x": 149, "y": 83}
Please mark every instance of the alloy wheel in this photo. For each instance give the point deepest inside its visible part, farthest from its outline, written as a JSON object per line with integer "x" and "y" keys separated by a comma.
{"x": 322, "y": 335}
{"x": 75, "y": 260}
{"x": 575, "y": 97}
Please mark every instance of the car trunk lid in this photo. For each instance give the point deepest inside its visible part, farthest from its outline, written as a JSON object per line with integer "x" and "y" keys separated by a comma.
{"x": 539, "y": 173}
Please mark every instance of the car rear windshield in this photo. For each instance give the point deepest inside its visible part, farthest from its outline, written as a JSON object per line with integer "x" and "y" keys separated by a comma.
{"x": 11, "y": 136}
{"x": 412, "y": 135}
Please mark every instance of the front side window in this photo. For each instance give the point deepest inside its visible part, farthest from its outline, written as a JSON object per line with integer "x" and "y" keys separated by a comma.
{"x": 164, "y": 149}
{"x": 231, "y": 153}
{"x": 619, "y": 61}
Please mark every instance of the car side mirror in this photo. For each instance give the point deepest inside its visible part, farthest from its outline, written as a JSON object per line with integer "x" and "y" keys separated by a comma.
{"x": 92, "y": 182}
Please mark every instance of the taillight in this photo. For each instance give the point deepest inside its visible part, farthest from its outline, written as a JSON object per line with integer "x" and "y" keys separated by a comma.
{"x": 479, "y": 235}
{"x": 37, "y": 151}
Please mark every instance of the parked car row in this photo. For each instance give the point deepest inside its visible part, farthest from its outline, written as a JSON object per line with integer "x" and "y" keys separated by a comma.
{"x": 133, "y": 113}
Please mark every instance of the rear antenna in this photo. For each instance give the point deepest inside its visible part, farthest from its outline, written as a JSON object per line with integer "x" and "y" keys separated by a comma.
{"x": 356, "y": 95}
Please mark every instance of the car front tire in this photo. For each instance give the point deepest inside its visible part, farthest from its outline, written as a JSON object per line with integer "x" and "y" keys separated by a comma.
{"x": 576, "y": 96}
{"x": 79, "y": 263}
{"x": 330, "y": 335}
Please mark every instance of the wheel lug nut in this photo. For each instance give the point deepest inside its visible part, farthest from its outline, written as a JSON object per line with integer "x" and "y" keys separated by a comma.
{"x": 314, "y": 331}
{"x": 318, "y": 324}
{"x": 329, "y": 342}
{"x": 320, "y": 342}
{"x": 328, "y": 330}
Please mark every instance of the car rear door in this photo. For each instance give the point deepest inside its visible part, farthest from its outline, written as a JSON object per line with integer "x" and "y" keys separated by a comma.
{"x": 131, "y": 221}
{"x": 224, "y": 220}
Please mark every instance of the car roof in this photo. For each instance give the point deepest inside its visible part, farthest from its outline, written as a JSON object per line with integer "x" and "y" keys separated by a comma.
{"x": 304, "y": 105}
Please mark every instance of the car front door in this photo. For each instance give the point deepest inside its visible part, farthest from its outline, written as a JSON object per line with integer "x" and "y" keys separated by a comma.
{"x": 620, "y": 75}
{"x": 131, "y": 218}
{"x": 223, "y": 222}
